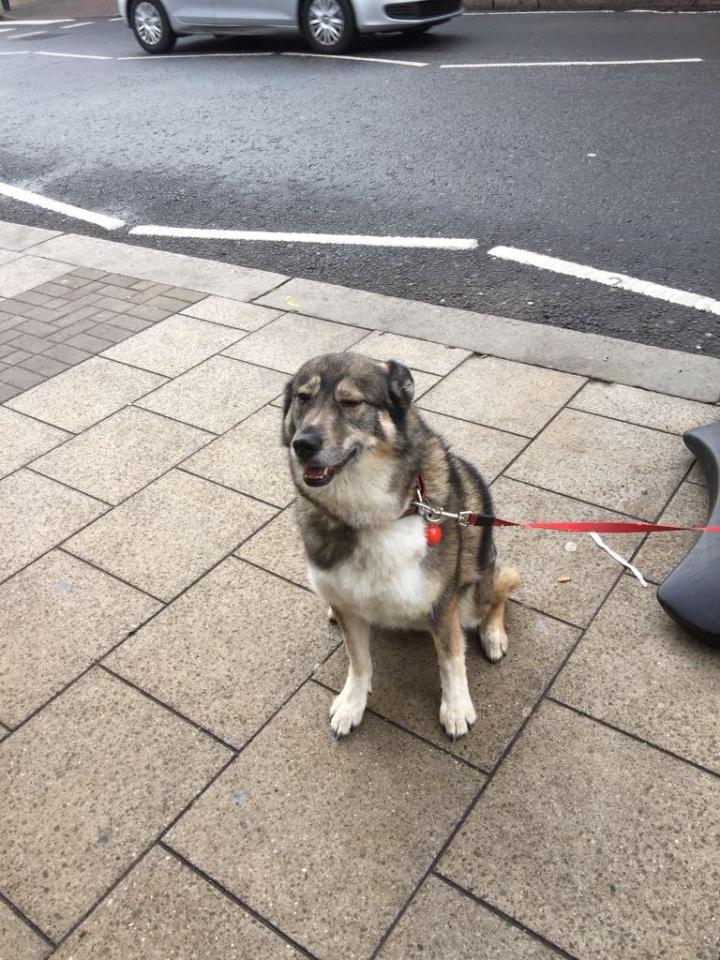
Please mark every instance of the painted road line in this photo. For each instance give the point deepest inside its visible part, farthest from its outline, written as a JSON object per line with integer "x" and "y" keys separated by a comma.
{"x": 6, "y": 29}
{"x": 189, "y": 56}
{"x": 349, "y": 239}
{"x": 563, "y": 63}
{"x": 24, "y": 36}
{"x": 74, "y": 56}
{"x": 74, "y": 26}
{"x": 337, "y": 56}
{"x": 619, "y": 281}
{"x": 13, "y": 53}
{"x": 77, "y": 213}
{"x": 38, "y": 23}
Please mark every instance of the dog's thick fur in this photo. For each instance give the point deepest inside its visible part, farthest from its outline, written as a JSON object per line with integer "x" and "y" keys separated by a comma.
{"x": 368, "y": 556}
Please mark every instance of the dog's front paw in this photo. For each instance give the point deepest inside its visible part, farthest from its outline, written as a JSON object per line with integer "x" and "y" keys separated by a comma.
{"x": 494, "y": 642}
{"x": 457, "y": 716}
{"x": 348, "y": 707}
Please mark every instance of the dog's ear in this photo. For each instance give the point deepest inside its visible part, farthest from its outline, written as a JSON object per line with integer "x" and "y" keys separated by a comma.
{"x": 287, "y": 424}
{"x": 401, "y": 385}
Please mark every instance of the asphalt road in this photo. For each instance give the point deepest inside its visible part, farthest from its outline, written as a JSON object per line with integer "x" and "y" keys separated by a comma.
{"x": 611, "y": 166}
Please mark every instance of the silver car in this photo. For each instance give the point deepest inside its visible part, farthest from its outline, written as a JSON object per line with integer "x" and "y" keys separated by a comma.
{"x": 328, "y": 26}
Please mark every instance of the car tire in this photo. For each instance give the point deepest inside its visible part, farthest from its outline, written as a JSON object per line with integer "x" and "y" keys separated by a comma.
{"x": 151, "y": 26}
{"x": 328, "y": 26}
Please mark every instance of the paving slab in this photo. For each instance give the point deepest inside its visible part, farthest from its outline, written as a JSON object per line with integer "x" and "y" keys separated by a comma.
{"x": 89, "y": 782}
{"x": 508, "y": 396}
{"x": 644, "y": 407}
{"x": 278, "y": 548}
{"x": 420, "y": 354}
{"x": 22, "y": 439}
{"x": 164, "y": 910}
{"x": 406, "y": 682}
{"x": 616, "y": 465}
{"x": 443, "y": 924}
{"x": 225, "y": 280}
{"x": 27, "y": 272}
{"x": 15, "y": 236}
{"x": 174, "y": 345}
{"x": 17, "y": 940}
{"x": 286, "y": 343}
{"x": 7, "y": 256}
{"x": 232, "y": 313}
{"x": 587, "y": 354}
{"x": 231, "y": 650}
{"x": 60, "y": 614}
{"x": 637, "y": 670}
{"x": 662, "y": 552}
{"x": 326, "y": 839}
{"x": 36, "y": 514}
{"x": 488, "y": 450}
{"x": 217, "y": 394}
{"x": 249, "y": 458}
{"x": 87, "y": 393}
{"x": 170, "y": 533}
{"x": 594, "y": 840}
{"x": 563, "y": 574}
{"x": 118, "y": 456}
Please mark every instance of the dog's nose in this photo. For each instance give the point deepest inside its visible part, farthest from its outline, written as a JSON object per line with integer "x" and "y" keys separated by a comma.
{"x": 307, "y": 444}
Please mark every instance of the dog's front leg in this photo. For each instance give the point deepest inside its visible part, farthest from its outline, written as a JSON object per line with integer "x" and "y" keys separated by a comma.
{"x": 348, "y": 707}
{"x": 457, "y": 713}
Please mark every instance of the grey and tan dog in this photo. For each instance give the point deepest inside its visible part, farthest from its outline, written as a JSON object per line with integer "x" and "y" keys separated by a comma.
{"x": 358, "y": 451}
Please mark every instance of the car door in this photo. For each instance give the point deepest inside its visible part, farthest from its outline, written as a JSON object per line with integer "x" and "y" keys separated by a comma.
{"x": 192, "y": 12}
{"x": 255, "y": 13}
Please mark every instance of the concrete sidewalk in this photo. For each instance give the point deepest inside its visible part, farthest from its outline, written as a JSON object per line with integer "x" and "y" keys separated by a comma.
{"x": 169, "y": 784}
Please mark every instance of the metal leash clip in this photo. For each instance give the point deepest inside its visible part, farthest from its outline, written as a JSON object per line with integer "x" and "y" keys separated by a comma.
{"x": 434, "y": 515}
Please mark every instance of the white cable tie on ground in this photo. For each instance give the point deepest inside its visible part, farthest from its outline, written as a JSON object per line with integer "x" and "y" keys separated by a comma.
{"x": 616, "y": 556}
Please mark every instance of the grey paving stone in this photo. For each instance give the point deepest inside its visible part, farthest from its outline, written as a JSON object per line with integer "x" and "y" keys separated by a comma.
{"x": 144, "y": 312}
{"x": 278, "y": 548}
{"x": 37, "y": 514}
{"x": 286, "y": 343}
{"x": 22, "y": 439}
{"x": 26, "y": 341}
{"x": 167, "y": 535}
{"x": 60, "y": 614}
{"x": 637, "y": 670}
{"x": 488, "y": 450}
{"x": 90, "y": 781}
{"x": 7, "y": 256}
{"x": 563, "y": 574}
{"x": 501, "y": 394}
{"x": 296, "y": 809}
{"x": 217, "y": 394}
{"x": 17, "y": 940}
{"x": 420, "y": 354}
{"x": 88, "y": 273}
{"x": 423, "y": 382}
{"x": 14, "y": 236}
{"x": 113, "y": 459}
{"x": 232, "y": 313}
{"x": 7, "y": 392}
{"x": 643, "y": 407}
{"x": 86, "y": 341}
{"x": 37, "y": 324}
{"x": 27, "y": 272}
{"x": 589, "y": 838}
{"x": 615, "y": 465}
{"x": 163, "y": 909}
{"x": 406, "y": 683}
{"x": 443, "y": 924}
{"x": 44, "y": 365}
{"x": 249, "y": 458}
{"x": 76, "y": 399}
{"x": 66, "y": 354}
{"x": 251, "y": 662}
{"x": 662, "y": 552}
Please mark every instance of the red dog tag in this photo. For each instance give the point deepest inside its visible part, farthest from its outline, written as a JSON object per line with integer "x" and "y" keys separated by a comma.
{"x": 433, "y": 534}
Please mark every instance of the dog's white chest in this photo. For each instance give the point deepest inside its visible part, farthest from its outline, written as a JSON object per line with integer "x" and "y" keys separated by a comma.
{"x": 383, "y": 580}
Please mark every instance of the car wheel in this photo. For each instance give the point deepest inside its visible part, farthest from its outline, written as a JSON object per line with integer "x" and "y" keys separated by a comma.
{"x": 151, "y": 27}
{"x": 328, "y": 25}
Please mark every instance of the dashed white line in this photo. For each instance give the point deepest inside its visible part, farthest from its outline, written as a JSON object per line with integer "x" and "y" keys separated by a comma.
{"x": 186, "y": 56}
{"x": 13, "y": 53}
{"x": 39, "y": 23}
{"x": 563, "y": 63}
{"x": 337, "y": 56}
{"x": 350, "y": 239}
{"x": 74, "y": 26}
{"x": 620, "y": 281}
{"x": 6, "y": 29}
{"x": 74, "y": 56}
{"x": 24, "y": 36}
{"x": 77, "y": 213}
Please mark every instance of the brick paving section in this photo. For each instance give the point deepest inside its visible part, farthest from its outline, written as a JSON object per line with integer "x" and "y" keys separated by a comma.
{"x": 58, "y": 324}
{"x": 168, "y": 783}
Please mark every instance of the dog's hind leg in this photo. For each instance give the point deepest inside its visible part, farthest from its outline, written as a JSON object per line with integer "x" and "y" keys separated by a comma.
{"x": 457, "y": 713}
{"x": 492, "y": 627}
{"x": 348, "y": 707}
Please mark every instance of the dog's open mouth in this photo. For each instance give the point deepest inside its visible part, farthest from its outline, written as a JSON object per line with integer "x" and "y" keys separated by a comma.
{"x": 321, "y": 476}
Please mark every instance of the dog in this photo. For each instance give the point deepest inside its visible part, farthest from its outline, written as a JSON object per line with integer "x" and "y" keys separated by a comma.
{"x": 361, "y": 456}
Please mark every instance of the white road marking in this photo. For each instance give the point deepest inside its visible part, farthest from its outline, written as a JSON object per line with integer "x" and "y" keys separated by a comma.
{"x": 24, "y": 36}
{"x": 75, "y": 56}
{"x": 38, "y": 23}
{"x": 180, "y": 56}
{"x": 6, "y": 29}
{"x": 25, "y": 196}
{"x": 620, "y": 281}
{"x": 563, "y": 63}
{"x": 350, "y": 239}
{"x": 337, "y": 56}
{"x": 74, "y": 26}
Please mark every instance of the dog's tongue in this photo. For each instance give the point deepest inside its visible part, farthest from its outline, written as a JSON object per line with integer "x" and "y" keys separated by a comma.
{"x": 316, "y": 473}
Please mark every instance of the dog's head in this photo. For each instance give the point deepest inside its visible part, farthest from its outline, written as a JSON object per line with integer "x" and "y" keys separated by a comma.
{"x": 338, "y": 408}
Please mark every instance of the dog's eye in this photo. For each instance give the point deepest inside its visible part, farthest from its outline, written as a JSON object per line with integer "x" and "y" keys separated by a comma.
{"x": 303, "y": 397}
{"x": 350, "y": 403}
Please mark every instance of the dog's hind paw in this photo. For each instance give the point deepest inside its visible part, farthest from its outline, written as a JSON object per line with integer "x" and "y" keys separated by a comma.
{"x": 348, "y": 708}
{"x": 457, "y": 717}
{"x": 494, "y": 642}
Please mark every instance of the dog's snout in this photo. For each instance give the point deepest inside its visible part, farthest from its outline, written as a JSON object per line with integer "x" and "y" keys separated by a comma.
{"x": 307, "y": 444}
